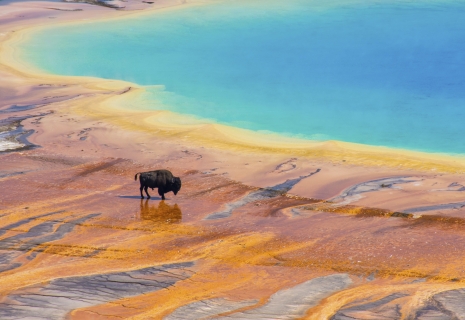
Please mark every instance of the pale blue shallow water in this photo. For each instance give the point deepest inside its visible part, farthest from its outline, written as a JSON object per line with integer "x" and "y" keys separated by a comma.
{"x": 386, "y": 74}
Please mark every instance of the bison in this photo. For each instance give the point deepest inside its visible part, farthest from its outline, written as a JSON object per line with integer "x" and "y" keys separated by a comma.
{"x": 161, "y": 179}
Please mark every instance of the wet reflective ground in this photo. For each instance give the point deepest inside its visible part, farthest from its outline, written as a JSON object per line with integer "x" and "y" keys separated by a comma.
{"x": 161, "y": 212}
{"x": 75, "y": 233}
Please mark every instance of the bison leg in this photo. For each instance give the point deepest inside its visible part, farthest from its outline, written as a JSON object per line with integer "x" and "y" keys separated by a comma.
{"x": 161, "y": 193}
{"x": 141, "y": 194}
{"x": 146, "y": 191}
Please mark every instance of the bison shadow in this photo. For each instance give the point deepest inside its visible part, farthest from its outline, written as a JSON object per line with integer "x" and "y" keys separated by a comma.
{"x": 138, "y": 197}
{"x": 163, "y": 213}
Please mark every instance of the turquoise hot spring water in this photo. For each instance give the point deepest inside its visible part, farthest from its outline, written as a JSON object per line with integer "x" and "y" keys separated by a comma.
{"x": 383, "y": 73}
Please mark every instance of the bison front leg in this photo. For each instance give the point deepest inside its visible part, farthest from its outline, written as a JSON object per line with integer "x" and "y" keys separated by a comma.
{"x": 161, "y": 193}
{"x": 147, "y": 192}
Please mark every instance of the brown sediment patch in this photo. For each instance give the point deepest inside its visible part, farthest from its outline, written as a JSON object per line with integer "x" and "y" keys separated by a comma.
{"x": 415, "y": 220}
{"x": 71, "y": 161}
{"x": 92, "y": 168}
{"x": 355, "y": 210}
{"x": 65, "y": 9}
{"x": 211, "y": 189}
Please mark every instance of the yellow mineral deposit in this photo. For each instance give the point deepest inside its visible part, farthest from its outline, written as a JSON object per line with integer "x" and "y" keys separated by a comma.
{"x": 263, "y": 227}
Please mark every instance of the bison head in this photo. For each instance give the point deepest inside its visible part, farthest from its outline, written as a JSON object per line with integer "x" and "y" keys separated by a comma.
{"x": 176, "y": 185}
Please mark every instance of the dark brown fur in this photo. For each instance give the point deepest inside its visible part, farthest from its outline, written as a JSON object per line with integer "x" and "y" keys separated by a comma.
{"x": 161, "y": 179}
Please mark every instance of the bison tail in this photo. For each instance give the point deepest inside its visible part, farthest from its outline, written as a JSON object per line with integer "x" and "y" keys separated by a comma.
{"x": 135, "y": 177}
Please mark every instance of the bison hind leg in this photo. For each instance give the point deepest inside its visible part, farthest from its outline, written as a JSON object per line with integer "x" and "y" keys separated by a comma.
{"x": 146, "y": 191}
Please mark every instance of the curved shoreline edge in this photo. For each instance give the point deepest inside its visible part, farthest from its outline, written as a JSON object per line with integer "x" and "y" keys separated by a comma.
{"x": 111, "y": 99}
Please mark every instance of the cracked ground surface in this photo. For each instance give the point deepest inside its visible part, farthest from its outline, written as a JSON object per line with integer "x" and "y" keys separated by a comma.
{"x": 56, "y": 299}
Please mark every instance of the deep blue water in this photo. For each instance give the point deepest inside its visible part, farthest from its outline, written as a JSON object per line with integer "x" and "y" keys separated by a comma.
{"x": 389, "y": 74}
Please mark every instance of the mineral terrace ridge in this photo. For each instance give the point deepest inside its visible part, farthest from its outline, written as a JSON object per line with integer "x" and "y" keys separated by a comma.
{"x": 264, "y": 227}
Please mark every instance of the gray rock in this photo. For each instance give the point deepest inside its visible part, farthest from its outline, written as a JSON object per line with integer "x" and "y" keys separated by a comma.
{"x": 353, "y": 193}
{"x": 56, "y": 299}
{"x": 380, "y": 309}
{"x": 207, "y": 308}
{"x": 444, "y": 206}
{"x": 292, "y": 303}
{"x": 265, "y": 193}
{"x": 12, "y": 248}
{"x": 452, "y": 302}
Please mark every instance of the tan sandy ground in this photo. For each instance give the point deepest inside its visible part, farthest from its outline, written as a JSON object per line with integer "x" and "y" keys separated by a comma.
{"x": 90, "y": 149}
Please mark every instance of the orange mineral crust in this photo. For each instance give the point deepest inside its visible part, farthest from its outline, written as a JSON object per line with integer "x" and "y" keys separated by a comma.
{"x": 264, "y": 227}
{"x": 240, "y": 247}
